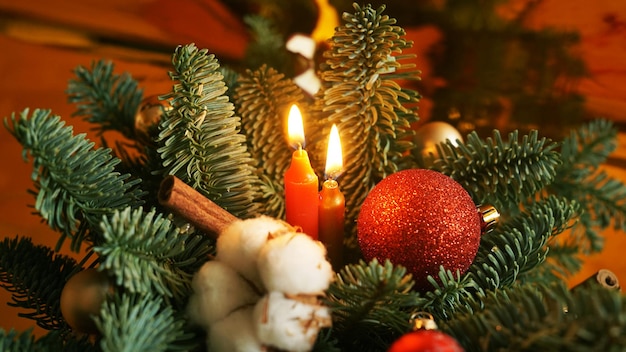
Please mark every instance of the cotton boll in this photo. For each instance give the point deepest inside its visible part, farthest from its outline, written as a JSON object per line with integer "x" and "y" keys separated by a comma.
{"x": 239, "y": 244}
{"x": 235, "y": 333}
{"x": 295, "y": 264}
{"x": 217, "y": 291}
{"x": 289, "y": 324}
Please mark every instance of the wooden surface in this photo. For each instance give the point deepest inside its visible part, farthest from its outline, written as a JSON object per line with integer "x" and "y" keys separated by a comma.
{"x": 42, "y": 41}
{"x": 602, "y": 28}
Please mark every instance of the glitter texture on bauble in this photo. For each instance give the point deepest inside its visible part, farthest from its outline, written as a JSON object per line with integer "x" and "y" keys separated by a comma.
{"x": 420, "y": 219}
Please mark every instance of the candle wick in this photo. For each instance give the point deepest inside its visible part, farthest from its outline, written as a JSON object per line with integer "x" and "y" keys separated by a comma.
{"x": 331, "y": 183}
{"x": 332, "y": 174}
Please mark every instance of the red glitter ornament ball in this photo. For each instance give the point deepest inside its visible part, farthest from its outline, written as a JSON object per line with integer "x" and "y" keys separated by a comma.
{"x": 426, "y": 341}
{"x": 420, "y": 219}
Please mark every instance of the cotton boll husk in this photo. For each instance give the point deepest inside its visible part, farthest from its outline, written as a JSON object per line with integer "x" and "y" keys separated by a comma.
{"x": 235, "y": 333}
{"x": 289, "y": 324}
{"x": 217, "y": 291}
{"x": 295, "y": 264}
{"x": 239, "y": 244}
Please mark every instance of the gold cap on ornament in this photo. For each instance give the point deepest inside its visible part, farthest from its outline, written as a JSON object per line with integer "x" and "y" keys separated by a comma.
{"x": 423, "y": 321}
{"x": 489, "y": 217}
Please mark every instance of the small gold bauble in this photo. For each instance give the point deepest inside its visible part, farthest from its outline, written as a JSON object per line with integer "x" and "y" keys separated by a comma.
{"x": 148, "y": 116}
{"x": 428, "y": 136}
{"x": 82, "y": 297}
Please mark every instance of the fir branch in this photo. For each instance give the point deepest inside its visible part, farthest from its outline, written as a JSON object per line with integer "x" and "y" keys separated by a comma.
{"x": 75, "y": 185}
{"x": 147, "y": 253}
{"x": 562, "y": 262}
{"x": 605, "y": 204}
{"x": 105, "y": 98}
{"x": 53, "y": 341}
{"x": 56, "y": 341}
{"x": 263, "y": 98}
{"x": 231, "y": 78}
{"x": 603, "y": 197}
{"x": 134, "y": 322}
{"x": 139, "y": 161}
{"x": 542, "y": 318}
{"x": 452, "y": 291}
{"x": 519, "y": 245}
{"x": 325, "y": 342}
{"x": 587, "y": 147}
{"x": 371, "y": 304}
{"x": 363, "y": 99}
{"x": 477, "y": 329}
{"x": 267, "y": 47}
{"x": 587, "y": 235}
{"x": 35, "y": 276}
{"x": 497, "y": 172}
{"x": 13, "y": 341}
{"x": 201, "y": 141}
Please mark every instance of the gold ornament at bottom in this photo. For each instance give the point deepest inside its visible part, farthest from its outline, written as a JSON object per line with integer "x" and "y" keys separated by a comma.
{"x": 82, "y": 297}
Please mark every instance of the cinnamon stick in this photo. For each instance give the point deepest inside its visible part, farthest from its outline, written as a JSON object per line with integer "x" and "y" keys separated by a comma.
{"x": 189, "y": 204}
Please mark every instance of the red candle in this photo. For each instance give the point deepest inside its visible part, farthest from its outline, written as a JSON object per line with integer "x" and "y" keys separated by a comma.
{"x": 332, "y": 203}
{"x": 301, "y": 182}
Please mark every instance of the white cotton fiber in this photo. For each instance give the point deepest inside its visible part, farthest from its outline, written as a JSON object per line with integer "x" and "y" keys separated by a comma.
{"x": 217, "y": 291}
{"x": 295, "y": 264}
{"x": 239, "y": 244}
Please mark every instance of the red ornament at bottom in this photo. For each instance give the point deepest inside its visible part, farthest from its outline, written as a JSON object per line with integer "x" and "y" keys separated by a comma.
{"x": 426, "y": 341}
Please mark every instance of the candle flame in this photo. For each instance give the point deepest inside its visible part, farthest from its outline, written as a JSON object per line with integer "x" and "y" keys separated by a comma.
{"x": 295, "y": 128}
{"x": 334, "y": 155}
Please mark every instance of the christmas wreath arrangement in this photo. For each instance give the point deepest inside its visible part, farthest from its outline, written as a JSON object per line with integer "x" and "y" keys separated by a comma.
{"x": 204, "y": 232}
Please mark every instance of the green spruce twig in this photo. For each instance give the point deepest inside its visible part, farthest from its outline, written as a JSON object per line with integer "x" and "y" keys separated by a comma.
{"x": 25, "y": 341}
{"x": 579, "y": 178}
{"x": 263, "y": 99}
{"x": 544, "y": 318}
{"x": 147, "y": 253}
{"x": 453, "y": 290}
{"x": 519, "y": 245}
{"x": 14, "y": 341}
{"x": 201, "y": 142}
{"x": 132, "y": 322}
{"x": 109, "y": 100}
{"x": 267, "y": 47}
{"x": 75, "y": 184}
{"x": 500, "y": 172}
{"x": 371, "y": 305}
{"x": 361, "y": 96}
{"x": 35, "y": 276}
